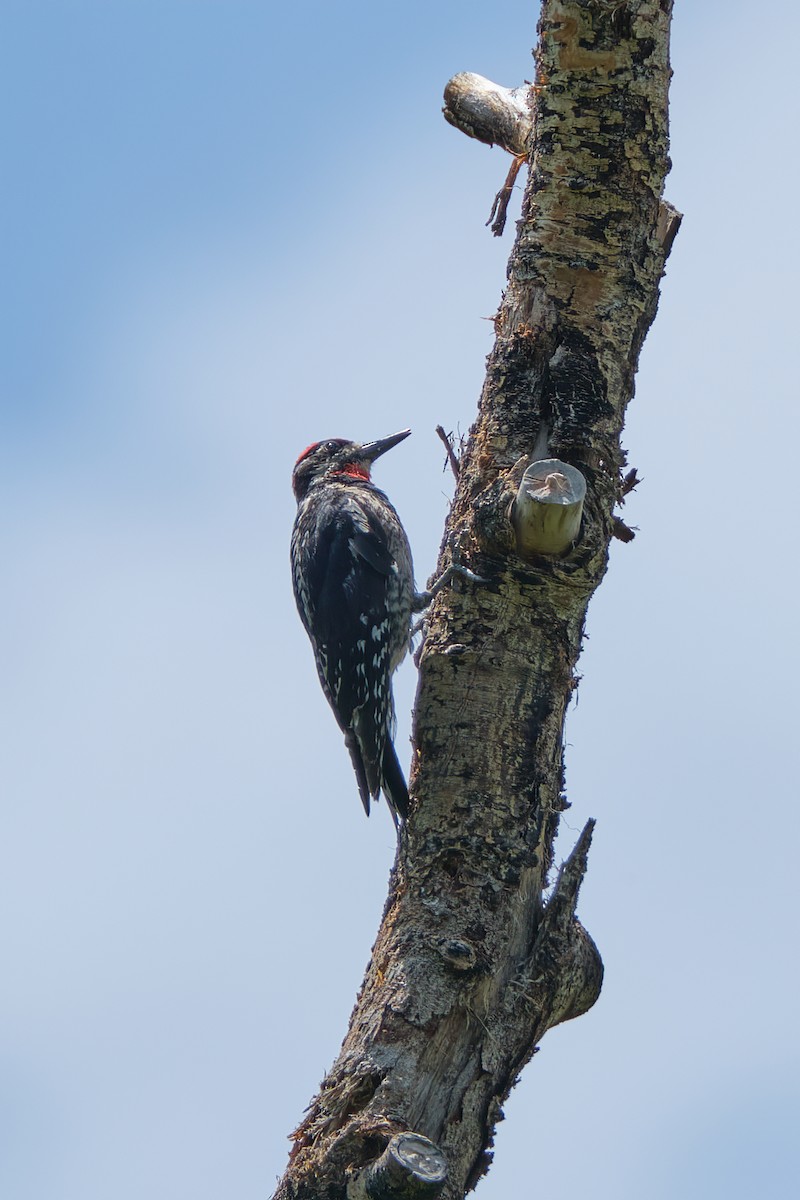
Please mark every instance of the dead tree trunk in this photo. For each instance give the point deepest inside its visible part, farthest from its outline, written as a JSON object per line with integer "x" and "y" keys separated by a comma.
{"x": 474, "y": 961}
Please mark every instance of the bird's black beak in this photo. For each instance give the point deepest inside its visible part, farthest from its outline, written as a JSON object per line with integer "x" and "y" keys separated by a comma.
{"x": 372, "y": 450}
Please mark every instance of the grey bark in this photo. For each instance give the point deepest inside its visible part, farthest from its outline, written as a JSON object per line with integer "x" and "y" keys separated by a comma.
{"x": 475, "y": 960}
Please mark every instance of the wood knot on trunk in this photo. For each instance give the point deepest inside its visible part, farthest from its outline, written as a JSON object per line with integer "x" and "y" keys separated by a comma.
{"x": 459, "y": 956}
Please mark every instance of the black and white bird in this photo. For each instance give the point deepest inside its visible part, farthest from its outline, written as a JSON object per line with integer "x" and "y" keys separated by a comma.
{"x": 354, "y": 586}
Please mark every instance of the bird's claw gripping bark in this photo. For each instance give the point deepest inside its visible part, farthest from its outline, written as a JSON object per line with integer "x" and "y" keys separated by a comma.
{"x": 423, "y": 599}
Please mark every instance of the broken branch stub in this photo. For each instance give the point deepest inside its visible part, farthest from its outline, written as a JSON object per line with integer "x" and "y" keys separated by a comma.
{"x": 493, "y": 114}
{"x": 411, "y": 1168}
{"x": 546, "y": 513}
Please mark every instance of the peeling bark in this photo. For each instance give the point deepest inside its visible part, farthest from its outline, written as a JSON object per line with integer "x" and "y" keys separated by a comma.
{"x": 474, "y": 961}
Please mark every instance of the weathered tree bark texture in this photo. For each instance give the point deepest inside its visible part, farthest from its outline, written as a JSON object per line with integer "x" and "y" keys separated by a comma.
{"x": 475, "y": 959}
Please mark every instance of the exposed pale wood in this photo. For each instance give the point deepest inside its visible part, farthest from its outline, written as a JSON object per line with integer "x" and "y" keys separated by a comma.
{"x": 546, "y": 513}
{"x": 475, "y": 959}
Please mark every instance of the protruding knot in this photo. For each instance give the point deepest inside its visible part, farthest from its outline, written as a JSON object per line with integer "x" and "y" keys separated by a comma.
{"x": 459, "y": 955}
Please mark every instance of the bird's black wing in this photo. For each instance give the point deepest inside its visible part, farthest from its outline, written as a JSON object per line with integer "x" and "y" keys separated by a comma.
{"x": 343, "y": 607}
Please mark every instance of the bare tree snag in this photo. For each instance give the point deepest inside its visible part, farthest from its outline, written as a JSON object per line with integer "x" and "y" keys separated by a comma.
{"x": 475, "y": 960}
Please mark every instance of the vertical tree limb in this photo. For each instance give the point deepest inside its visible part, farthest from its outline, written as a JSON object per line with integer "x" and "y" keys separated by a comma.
{"x": 473, "y": 962}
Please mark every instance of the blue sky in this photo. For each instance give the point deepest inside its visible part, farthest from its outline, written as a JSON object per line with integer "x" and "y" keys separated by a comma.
{"x": 231, "y": 229}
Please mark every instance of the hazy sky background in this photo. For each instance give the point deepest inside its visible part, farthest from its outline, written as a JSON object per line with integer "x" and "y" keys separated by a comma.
{"x": 233, "y": 228}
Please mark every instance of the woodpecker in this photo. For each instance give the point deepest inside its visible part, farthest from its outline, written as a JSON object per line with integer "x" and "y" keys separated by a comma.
{"x": 354, "y": 587}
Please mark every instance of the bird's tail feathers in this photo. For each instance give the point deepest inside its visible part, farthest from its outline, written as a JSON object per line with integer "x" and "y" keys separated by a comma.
{"x": 394, "y": 784}
{"x": 374, "y": 775}
{"x": 351, "y": 741}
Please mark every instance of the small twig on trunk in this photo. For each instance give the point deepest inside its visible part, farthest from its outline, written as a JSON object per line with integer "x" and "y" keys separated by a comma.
{"x": 447, "y": 438}
{"x": 621, "y": 531}
{"x": 629, "y": 482}
{"x": 497, "y": 217}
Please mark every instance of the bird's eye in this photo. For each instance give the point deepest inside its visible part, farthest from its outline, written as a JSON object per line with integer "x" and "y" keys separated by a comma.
{"x": 331, "y": 446}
